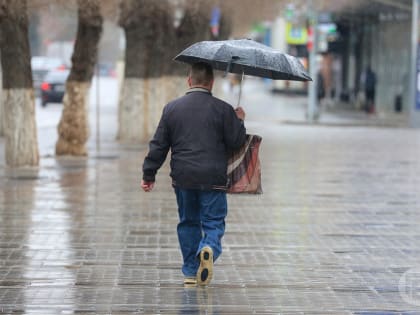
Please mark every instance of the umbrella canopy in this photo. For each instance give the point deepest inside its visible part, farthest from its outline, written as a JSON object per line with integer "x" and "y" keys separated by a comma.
{"x": 245, "y": 56}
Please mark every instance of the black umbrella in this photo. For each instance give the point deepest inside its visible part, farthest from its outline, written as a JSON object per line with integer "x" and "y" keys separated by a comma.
{"x": 245, "y": 56}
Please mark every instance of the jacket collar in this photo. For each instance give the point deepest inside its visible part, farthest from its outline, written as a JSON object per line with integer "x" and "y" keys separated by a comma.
{"x": 197, "y": 89}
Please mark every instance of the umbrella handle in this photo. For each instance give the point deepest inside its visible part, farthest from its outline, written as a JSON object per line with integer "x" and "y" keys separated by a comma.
{"x": 240, "y": 89}
{"x": 229, "y": 66}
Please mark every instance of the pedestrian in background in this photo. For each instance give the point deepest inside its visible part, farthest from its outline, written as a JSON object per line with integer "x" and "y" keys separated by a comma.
{"x": 199, "y": 129}
{"x": 368, "y": 81}
{"x": 320, "y": 87}
{"x": 320, "y": 94}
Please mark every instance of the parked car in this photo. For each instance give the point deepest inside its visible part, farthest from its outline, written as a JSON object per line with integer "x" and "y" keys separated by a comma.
{"x": 106, "y": 70}
{"x": 41, "y": 65}
{"x": 53, "y": 87}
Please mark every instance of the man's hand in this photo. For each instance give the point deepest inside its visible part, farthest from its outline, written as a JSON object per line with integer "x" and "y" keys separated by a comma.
{"x": 147, "y": 186}
{"x": 240, "y": 113}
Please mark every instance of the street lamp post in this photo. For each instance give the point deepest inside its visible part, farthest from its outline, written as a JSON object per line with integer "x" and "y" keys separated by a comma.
{"x": 312, "y": 95}
{"x": 414, "y": 108}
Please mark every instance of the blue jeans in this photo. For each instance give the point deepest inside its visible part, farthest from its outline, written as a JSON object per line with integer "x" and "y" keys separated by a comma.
{"x": 201, "y": 222}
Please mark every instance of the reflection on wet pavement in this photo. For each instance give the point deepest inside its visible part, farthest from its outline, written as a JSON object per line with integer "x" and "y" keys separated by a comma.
{"x": 334, "y": 232}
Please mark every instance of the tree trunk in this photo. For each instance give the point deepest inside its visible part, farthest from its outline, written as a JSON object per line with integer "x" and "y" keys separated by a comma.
{"x": 21, "y": 147}
{"x": 1, "y": 104}
{"x": 194, "y": 27}
{"x": 73, "y": 128}
{"x": 151, "y": 77}
{"x": 157, "y": 92}
{"x": 144, "y": 22}
{"x": 132, "y": 107}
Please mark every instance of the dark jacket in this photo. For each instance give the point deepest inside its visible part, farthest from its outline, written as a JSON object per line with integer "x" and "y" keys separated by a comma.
{"x": 200, "y": 130}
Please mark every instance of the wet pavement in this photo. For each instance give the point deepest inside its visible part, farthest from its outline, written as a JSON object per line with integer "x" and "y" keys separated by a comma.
{"x": 335, "y": 232}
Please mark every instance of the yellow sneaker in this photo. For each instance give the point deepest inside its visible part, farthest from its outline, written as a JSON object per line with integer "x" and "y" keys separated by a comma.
{"x": 205, "y": 271}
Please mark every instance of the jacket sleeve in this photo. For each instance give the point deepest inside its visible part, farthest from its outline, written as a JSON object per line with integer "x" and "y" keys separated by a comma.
{"x": 158, "y": 150}
{"x": 234, "y": 130}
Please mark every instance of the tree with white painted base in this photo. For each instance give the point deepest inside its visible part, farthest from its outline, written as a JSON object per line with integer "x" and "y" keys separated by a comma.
{"x": 73, "y": 128}
{"x": 151, "y": 77}
{"x": 144, "y": 23}
{"x": 21, "y": 145}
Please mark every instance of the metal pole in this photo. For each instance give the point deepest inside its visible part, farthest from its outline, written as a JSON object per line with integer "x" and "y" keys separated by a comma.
{"x": 414, "y": 120}
{"x": 98, "y": 113}
{"x": 312, "y": 97}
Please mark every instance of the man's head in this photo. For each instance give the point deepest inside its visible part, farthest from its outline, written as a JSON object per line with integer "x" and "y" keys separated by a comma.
{"x": 201, "y": 75}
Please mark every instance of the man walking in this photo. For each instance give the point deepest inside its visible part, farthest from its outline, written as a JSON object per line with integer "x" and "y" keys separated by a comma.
{"x": 200, "y": 130}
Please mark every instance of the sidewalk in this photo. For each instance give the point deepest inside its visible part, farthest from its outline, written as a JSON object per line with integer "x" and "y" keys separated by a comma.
{"x": 291, "y": 109}
{"x": 335, "y": 232}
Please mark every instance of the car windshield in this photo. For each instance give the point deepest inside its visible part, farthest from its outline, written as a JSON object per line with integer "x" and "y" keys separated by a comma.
{"x": 59, "y": 76}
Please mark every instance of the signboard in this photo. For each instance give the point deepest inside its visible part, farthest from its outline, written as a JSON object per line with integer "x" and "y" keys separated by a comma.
{"x": 296, "y": 35}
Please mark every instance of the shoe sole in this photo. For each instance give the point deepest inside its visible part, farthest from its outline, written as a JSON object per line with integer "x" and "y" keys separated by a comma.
{"x": 205, "y": 271}
{"x": 190, "y": 282}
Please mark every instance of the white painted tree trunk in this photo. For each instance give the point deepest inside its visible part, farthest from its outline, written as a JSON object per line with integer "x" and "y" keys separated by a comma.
{"x": 73, "y": 128}
{"x": 141, "y": 104}
{"x": 21, "y": 146}
{"x": 133, "y": 125}
{"x": 157, "y": 97}
{"x": 167, "y": 88}
{"x": 175, "y": 86}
